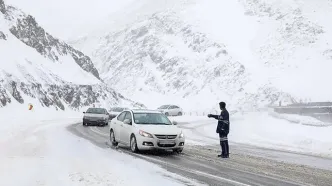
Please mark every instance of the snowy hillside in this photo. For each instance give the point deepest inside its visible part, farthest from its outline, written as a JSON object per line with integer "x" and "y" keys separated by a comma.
{"x": 249, "y": 52}
{"x": 34, "y": 65}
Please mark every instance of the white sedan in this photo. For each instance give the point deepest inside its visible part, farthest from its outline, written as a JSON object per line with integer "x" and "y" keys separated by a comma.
{"x": 146, "y": 130}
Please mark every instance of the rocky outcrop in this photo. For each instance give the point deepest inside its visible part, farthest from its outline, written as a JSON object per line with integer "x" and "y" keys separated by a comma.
{"x": 75, "y": 96}
{"x": 2, "y": 36}
{"x": 26, "y": 29}
{"x": 2, "y": 7}
{"x": 29, "y": 32}
{"x": 32, "y": 80}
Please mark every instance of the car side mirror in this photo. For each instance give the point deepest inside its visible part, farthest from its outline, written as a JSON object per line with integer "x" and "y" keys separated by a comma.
{"x": 127, "y": 121}
{"x": 174, "y": 122}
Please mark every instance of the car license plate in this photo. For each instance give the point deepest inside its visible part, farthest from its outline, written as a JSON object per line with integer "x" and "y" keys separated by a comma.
{"x": 166, "y": 141}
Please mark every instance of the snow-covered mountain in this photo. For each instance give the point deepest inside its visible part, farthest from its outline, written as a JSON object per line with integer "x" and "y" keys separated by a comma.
{"x": 248, "y": 52}
{"x": 37, "y": 67}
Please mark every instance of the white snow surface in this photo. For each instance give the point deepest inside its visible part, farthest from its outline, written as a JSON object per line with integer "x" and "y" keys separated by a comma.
{"x": 36, "y": 145}
{"x": 262, "y": 130}
{"x": 273, "y": 47}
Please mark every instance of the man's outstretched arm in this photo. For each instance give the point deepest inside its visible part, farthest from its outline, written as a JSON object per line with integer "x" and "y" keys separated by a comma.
{"x": 214, "y": 116}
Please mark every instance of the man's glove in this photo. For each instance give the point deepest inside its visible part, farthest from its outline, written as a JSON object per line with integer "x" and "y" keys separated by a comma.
{"x": 209, "y": 115}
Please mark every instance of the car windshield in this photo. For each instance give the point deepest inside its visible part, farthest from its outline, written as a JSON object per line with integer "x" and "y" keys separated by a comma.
{"x": 151, "y": 119}
{"x": 117, "y": 109}
{"x": 163, "y": 107}
{"x": 95, "y": 111}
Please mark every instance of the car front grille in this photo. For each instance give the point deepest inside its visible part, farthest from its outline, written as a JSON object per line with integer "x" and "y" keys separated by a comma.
{"x": 166, "y": 145}
{"x": 165, "y": 136}
{"x": 94, "y": 118}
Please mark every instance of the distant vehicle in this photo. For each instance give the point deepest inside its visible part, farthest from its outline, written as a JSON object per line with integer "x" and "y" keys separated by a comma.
{"x": 170, "y": 110}
{"x": 146, "y": 130}
{"x": 95, "y": 116}
{"x": 116, "y": 111}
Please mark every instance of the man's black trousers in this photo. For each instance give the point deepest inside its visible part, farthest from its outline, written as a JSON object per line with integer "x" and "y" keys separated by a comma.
{"x": 224, "y": 144}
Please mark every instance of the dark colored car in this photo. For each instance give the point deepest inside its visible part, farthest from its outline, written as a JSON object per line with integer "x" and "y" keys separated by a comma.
{"x": 96, "y": 116}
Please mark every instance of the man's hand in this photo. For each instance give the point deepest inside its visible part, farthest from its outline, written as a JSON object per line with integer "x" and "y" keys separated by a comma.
{"x": 209, "y": 115}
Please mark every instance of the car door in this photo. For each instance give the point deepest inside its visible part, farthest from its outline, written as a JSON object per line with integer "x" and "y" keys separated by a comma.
{"x": 126, "y": 129}
{"x": 171, "y": 110}
{"x": 118, "y": 122}
{"x": 177, "y": 110}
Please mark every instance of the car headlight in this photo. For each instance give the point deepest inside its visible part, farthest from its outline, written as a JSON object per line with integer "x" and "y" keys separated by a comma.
{"x": 145, "y": 134}
{"x": 181, "y": 135}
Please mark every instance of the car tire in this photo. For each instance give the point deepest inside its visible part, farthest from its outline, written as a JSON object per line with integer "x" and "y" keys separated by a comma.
{"x": 180, "y": 114}
{"x": 85, "y": 124}
{"x": 133, "y": 144}
{"x": 112, "y": 139}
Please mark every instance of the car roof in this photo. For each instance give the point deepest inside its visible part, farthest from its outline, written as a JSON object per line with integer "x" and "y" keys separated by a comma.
{"x": 144, "y": 111}
{"x": 95, "y": 108}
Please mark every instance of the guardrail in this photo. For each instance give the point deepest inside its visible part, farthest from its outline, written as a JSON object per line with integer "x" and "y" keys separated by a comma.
{"x": 304, "y": 110}
{"x": 319, "y": 110}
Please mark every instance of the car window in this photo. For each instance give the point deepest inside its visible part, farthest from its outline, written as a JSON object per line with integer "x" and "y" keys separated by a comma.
{"x": 121, "y": 116}
{"x": 95, "y": 110}
{"x": 176, "y": 107}
{"x": 163, "y": 107}
{"x": 172, "y": 107}
{"x": 128, "y": 115}
{"x": 151, "y": 119}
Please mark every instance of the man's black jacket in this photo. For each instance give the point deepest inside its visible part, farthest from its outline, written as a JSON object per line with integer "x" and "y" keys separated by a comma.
{"x": 223, "y": 122}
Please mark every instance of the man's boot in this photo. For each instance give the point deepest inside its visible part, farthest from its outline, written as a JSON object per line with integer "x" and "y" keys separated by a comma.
{"x": 223, "y": 150}
{"x": 226, "y": 149}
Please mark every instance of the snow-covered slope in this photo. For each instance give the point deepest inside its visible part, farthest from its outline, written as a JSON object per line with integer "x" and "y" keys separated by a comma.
{"x": 248, "y": 53}
{"x": 34, "y": 64}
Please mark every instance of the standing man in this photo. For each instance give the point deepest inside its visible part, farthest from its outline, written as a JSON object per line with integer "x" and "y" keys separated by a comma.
{"x": 222, "y": 129}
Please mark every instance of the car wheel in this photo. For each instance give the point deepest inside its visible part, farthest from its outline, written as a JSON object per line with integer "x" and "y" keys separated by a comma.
{"x": 180, "y": 114}
{"x": 166, "y": 114}
{"x": 85, "y": 124}
{"x": 133, "y": 144}
{"x": 112, "y": 139}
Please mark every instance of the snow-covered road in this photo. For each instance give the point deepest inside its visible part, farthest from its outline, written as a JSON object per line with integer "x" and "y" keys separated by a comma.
{"x": 201, "y": 163}
{"x": 39, "y": 148}
{"x": 35, "y": 152}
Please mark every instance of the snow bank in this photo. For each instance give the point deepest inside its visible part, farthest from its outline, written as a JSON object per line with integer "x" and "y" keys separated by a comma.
{"x": 36, "y": 146}
{"x": 261, "y": 129}
{"x": 304, "y": 120}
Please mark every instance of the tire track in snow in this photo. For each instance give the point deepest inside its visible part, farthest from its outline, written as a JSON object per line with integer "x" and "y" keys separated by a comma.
{"x": 243, "y": 169}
